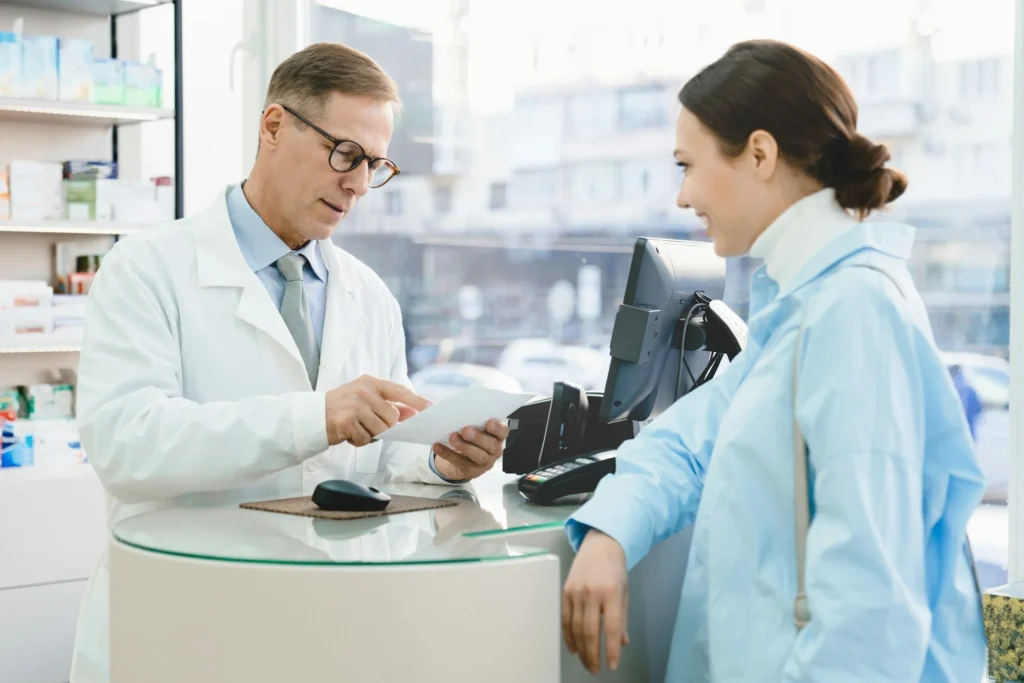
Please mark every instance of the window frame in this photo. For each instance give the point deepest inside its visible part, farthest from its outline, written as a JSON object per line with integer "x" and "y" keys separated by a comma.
{"x": 1016, "y": 492}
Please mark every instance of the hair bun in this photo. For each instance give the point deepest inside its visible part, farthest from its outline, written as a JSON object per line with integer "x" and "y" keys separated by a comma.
{"x": 860, "y": 177}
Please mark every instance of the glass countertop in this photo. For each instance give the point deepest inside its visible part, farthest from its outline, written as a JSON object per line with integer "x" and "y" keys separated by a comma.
{"x": 490, "y": 523}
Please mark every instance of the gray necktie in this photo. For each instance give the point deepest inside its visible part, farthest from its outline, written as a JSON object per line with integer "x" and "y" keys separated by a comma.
{"x": 295, "y": 312}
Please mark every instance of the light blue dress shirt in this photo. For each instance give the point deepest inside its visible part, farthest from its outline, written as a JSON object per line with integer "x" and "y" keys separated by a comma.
{"x": 261, "y": 247}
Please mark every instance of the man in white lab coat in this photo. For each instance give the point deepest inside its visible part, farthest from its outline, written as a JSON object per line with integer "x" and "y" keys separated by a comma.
{"x": 238, "y": 354}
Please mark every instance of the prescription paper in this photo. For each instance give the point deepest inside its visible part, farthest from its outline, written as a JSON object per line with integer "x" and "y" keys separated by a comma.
{"x": 471, "y": 407}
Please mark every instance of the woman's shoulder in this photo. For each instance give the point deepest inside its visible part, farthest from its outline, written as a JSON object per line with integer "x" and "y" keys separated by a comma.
{"x": 862, "y": 299}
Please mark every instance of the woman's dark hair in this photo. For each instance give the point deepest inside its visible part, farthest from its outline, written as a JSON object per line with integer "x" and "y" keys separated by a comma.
{"x": 809, "y": 110}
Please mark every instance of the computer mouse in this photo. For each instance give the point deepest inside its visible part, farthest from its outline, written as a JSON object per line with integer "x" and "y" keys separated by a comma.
{"x": 340, "y": 495}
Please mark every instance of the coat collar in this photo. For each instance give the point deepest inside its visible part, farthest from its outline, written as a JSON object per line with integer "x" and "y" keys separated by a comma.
{"x": 220, "y": 263}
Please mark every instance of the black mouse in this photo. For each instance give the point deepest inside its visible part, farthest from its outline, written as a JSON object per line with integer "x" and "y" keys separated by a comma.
{"x": 340, "y": 495}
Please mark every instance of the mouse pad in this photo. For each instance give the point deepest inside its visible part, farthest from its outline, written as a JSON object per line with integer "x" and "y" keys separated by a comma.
{"x": 305, "y": 507}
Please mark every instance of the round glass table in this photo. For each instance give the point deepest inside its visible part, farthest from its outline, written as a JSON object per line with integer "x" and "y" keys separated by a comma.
{"x": 487, "y": 523}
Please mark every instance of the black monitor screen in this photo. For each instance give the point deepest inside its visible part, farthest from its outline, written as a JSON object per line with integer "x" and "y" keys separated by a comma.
{"x": 663, "y": 278}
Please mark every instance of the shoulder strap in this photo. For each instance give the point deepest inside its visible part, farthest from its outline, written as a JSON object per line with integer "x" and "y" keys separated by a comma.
{"x": 801, "y": 489}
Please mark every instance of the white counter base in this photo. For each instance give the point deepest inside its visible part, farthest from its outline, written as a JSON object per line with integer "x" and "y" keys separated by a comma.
{"x": 177, "y": 619}
{"x": 52, "y": 533}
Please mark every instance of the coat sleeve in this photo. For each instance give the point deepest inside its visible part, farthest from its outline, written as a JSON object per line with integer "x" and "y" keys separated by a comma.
{"x": 403, "y": 462}
{"x": 860, "y": 405}
{"x": 659, "y": 475}
{"x": 145, "y": 441}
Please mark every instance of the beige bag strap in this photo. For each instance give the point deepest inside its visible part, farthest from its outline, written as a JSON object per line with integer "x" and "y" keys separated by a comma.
{"x": 801, "y": 488}
{"x": 801, "y": 494}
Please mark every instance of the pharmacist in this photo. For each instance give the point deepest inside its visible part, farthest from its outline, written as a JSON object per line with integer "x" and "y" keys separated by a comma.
{"x": 205, "y": 337}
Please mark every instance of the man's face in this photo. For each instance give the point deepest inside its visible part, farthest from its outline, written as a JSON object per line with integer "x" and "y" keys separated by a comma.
{"x": 312, "y": 197}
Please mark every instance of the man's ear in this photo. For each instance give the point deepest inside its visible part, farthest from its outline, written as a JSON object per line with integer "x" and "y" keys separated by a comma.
{"x": 764, "y": 153}
{"x": 271, "y": 124}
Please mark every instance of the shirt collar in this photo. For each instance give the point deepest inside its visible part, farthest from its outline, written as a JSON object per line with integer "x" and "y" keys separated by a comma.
{"x": 260, "y": 245}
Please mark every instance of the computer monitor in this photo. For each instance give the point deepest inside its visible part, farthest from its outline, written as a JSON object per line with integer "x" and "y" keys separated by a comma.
{"x": 666, "y": 279}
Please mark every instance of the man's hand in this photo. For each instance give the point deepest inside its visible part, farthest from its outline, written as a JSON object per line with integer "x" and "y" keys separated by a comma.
{"x": 471, "y": 452}
{"x": 362, "y": 409}
{"x": 597, "y": 586}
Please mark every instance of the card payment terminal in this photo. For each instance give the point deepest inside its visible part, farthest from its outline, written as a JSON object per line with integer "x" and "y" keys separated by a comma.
{"x": 567, "y": 477}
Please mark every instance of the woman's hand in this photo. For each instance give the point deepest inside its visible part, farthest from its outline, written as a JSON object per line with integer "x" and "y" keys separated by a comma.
{"x": 598, "y": 586}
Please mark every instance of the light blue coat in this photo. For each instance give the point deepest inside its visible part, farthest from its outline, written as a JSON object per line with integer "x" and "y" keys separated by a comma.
{"x": 894, "y": 480}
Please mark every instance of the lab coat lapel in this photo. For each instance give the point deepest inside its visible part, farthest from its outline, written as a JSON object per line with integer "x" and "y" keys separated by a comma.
{"x": 344, "y": 319}
{"x": 221, "y": 264}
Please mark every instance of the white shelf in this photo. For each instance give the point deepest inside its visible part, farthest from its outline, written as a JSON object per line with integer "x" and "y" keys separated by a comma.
{"x": 15, "y": 475}
{"x": 99, "y": 8}
{"x": 71, "y": 227}
{"x": 78, "y": 113}
{"x": 41, "y": 343}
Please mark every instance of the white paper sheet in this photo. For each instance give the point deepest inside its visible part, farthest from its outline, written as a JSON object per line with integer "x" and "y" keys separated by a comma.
{"x": 471, "y": 407}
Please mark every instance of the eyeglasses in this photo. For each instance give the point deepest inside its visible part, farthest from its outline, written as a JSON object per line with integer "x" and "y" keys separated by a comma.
{"x": 347, "y": 155}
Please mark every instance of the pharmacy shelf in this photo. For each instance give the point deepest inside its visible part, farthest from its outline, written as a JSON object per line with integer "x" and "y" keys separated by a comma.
{"x": 71, "y": 227}
{"x": 14, "y": 475}
{"x": 98, "y": 8}
{"x": 41, "y": 343}
{"x": 78, "y": 113}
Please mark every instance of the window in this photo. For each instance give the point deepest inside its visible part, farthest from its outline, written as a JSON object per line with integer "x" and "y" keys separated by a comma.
{"x": 569, "y": 136}
{"x": 592, "y": 114}
{"x": 639, "y": 178}
{"x": 883, "y": 73}
{"x": 534, "y": 187}
{"x": 443, "y": 200}
{"x": 642, "y": 108}
{"x": 874, "y": 75}
{"x": 499, "y": 196}
{"x": 594, "y": 182}
{"x": 979, "y": 79}
{"x": 987, "y": 161}
{"x": 393, "y": 202}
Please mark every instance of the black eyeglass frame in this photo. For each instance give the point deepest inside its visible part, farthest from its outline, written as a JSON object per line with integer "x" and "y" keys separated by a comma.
{"x": 336, "y": 142}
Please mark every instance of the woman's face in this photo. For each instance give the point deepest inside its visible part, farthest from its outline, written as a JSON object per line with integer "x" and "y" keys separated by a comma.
{"x": 731, "y": 196}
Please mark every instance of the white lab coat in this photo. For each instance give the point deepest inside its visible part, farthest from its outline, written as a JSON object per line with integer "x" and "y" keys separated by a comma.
{"x": 192, "y": 391}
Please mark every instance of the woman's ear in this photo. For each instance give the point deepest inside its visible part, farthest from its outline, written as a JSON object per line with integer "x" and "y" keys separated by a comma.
{"x": 763, "y": 151}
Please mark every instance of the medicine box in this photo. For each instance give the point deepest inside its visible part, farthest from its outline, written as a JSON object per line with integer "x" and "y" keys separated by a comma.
{"x": 142, "y": 84}
{"x": 108, "y": 81}
{"x": 74, "y": 69}
{"x": 10, "y": 64}
{"x": 39, "y": 67}
{"x": 47, "y": 401}
{"x": 5, "y": 195}
{"x": 16, "y": 444}
{"x": 25, "y": 294}
{"x": 37, "y": 190}
{"x": 90, "y": 170}
{"x": 89, "y": 200}
{"x": 15, "y": 322}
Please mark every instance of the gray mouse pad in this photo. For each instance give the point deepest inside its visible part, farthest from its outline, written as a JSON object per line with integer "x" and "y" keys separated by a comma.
{"x": 305, "y": 507}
